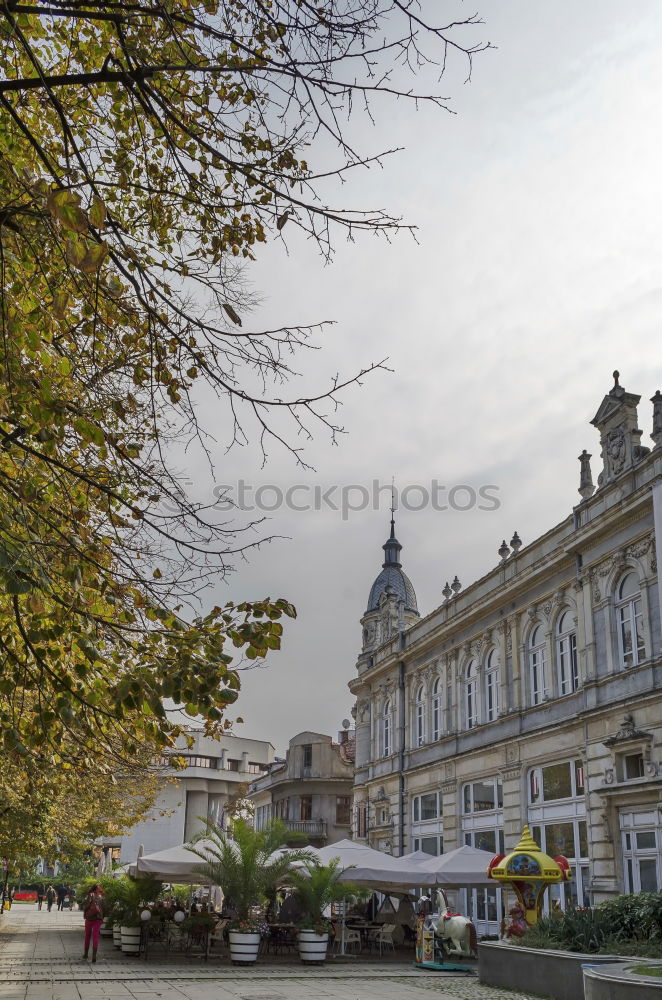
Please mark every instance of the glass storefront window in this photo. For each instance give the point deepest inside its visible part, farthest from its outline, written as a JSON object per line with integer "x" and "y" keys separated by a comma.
{"x": 485, "y": 840}
{"x": 483, "y": 796}
{"x": 556, "y": 782}
{"x": 560, "y": 839}
{"x": 648, "y": 874}
{"x": 429, "y": 809}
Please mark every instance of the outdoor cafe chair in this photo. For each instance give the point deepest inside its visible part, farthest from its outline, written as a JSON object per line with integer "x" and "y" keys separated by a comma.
{"x": 352, "y": 939}
{"x": 383, "y": 937}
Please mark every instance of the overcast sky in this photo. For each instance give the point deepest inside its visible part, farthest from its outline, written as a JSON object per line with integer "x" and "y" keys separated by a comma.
{"x": 537, "y": 271}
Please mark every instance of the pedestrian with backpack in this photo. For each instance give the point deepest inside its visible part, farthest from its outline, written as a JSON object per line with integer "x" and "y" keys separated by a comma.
{"x": 93, "y": 913}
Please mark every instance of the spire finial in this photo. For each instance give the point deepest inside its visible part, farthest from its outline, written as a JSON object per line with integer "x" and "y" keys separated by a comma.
{"x": 392, "y": 506}
{"x": 616, "y": 378}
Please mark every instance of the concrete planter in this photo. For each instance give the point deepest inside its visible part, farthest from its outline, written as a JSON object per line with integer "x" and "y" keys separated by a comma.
{"x": 554, "y": 974}
{"x": 106, "y": 931}
{"x": 618, "y": 982}
{"x": 131, "y": 940}
{"x": 244, "y": 947}
{"x": 312, "y": 946}
{"x": 117, "y": 936}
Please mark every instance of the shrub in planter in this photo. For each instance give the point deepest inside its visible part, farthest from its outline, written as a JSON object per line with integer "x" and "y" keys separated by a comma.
{"x": 318, "y": 886}
{"x": 582, "y": 930}
{"x": 625, "y": 925}
{"x": 635, "y": 917}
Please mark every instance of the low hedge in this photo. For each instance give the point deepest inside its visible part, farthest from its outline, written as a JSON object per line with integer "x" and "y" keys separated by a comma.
{"x": 626, "y": 925}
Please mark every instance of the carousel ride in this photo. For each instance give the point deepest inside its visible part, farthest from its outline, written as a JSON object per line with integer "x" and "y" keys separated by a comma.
{"x": 529, "y": 872}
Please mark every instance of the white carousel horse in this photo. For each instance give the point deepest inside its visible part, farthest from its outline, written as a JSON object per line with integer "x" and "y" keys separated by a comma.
{"x": 457, "y": 933}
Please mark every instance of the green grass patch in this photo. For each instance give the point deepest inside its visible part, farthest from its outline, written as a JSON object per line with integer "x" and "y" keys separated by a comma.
{"x": 648, "y": 970}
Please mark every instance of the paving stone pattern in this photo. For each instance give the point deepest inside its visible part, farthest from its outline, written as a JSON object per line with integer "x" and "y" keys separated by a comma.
{"x": 41, "y": 959}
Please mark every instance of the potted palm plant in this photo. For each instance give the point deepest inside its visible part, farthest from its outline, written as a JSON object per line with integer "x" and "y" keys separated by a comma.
{"x": 318, "y": 886}
{"x": 244, "y": 864}
{"x": 133, "y": 895}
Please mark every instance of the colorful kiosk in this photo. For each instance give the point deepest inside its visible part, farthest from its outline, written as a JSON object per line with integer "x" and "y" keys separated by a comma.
{"x": 529, "y": 871}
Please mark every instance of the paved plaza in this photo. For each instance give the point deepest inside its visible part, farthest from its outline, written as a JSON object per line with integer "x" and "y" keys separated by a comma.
{"x": 41, "y": 959}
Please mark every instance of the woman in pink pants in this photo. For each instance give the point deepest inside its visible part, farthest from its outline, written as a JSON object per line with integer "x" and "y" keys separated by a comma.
{"x": 93, "y": 913}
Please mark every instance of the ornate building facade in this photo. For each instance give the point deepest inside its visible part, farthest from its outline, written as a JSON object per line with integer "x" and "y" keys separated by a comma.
{"x": 533, "y": 695}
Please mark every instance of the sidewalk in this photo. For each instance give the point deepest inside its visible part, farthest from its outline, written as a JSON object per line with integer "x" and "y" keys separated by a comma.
{"x": 41, "y": 959}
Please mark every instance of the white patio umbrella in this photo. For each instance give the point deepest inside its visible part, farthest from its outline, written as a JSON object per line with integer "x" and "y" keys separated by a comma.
{"x": 463, "y": 868}
{"x": 418, "y": 857}
{"x": 175, "y": 864}
{"x": 373, "y": 869}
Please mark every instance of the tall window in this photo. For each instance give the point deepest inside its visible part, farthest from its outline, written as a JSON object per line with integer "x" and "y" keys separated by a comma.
{"x": 420, "y": 717}
{"x": 426, "y": 807}
{"x": 557, "y": 818}
{"x": 307, "y": 750}
{"x": 471, "y": 695}
{"x": 630, "y": 625}
{"x": 436, "y": 710}
{"x": 482, "y": 827}
{"x": 361, "y": 819}
{"x": 537, "y": 671}
{"x": 483, "y": 796}
{"x": 306, "y": 807}
{"x": 343, "y": 810}
{"x": 566, "y": 654}
{"x": 556, "y": 781}
{"x": 387, "y": 735}
{"x": 492, "y": 686}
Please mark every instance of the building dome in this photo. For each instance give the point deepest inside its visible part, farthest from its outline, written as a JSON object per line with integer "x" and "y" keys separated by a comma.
{"x": 392, "y": 576}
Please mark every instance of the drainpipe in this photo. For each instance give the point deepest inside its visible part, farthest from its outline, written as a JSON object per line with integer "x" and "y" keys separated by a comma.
{"x": 403, "y": 719}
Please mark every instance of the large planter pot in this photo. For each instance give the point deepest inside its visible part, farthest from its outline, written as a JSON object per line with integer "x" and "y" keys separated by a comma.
{"x": 131, "y": 940}
{"x": 244, "y": 947}
{"x": 543, "y": 972}
{"x": 117, "y": 936}
{"x": 618, "y": 980}
{"x": 312, "y": 946}
{"x": 106, "y": 931}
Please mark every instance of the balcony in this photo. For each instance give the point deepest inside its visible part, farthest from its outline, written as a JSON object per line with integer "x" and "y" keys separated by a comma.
{"x": 313, "y": 828}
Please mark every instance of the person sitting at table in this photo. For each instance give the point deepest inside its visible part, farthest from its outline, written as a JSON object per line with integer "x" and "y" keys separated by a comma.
{"x": 291, "y": 912}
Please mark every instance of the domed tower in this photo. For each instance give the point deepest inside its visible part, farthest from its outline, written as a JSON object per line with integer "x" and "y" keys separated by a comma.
{"x": 392, "y": 603}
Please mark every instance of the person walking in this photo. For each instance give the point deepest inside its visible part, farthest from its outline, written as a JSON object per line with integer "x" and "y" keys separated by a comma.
{"x": 41, "y": 892}
{"x": 93, "y": 913}
{"x": 50, "y": 896}
{"x": 61, "y": 893}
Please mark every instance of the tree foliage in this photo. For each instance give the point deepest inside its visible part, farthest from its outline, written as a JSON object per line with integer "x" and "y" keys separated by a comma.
{"x": 145, "y": 149}
{"x": 49, "y": 812}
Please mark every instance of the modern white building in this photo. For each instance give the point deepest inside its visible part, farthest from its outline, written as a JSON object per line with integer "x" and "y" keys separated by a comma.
{"x": 215, "y": 771}
{"x": 534, "y": 695}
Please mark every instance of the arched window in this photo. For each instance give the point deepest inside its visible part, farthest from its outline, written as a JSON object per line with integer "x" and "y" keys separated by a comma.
{"x": 537, "y": 671}
{"x": 471, "y": 695}
{"x": 419, "y": 721}
{"x": 566, "y": 654}
{"x": 387, "y": 735}
{"x": 630, "y": 624}
{"x": 436, "y": 710}
{"x": 492, "y": 686}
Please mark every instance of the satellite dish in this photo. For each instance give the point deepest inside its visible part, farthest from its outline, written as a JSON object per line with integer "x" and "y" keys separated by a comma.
{"x": 345, "y": 723}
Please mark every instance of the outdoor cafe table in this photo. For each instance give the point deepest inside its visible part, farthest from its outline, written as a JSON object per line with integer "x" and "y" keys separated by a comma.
{"x": 364, "y": 927}
{"x": 281, "y": 937}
